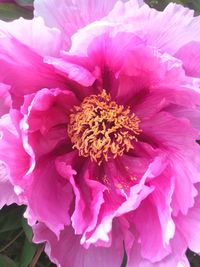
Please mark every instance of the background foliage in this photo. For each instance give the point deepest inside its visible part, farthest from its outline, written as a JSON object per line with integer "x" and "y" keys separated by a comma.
{"x": 16, "y": 248}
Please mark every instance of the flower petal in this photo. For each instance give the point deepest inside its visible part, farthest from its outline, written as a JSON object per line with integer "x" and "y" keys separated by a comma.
{"x": 190, "y": 56}
{"x": 161, "y": 198}
{"x": 189, "y": 225}
{"x": 24, "y": 69}
{"x": 5, "y": 99}
{"x": 117, "y": 205}
{"x": 17, "y": 160}
{"x": 177, "y": 256}
{"x": 44, "y": 125}
{"x": 182, "y": 148}
{"x": 7, "y": 194}
{"x": 49, "y": 41}
{"x": 71, "y": 15}
{"x": 165, "y": 30}
{"x": 49, "y": 197}
{"x": 67, "y": 251}
{"x": 88, "y": 193}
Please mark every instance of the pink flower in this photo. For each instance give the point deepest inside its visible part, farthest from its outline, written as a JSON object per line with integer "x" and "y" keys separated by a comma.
{"x": 100, "y": 137}
{"x": 7, "y": 194}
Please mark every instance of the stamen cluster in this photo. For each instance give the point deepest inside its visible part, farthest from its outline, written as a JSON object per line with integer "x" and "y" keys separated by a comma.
{"x": 101, "y": 129}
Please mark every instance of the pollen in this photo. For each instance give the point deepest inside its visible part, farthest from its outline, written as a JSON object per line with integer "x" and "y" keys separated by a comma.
{"x": 101, "y": 129}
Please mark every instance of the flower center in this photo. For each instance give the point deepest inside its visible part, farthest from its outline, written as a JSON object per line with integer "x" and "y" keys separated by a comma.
{"x": 101, "y": 129}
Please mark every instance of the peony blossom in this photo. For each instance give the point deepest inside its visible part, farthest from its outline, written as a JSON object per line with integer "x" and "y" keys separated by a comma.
{"x": 99, "y": 132}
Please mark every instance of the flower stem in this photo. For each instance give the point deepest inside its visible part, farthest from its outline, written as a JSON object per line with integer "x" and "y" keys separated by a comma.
{"x": 37, "y": 256}
{"x": 11, "y": 242}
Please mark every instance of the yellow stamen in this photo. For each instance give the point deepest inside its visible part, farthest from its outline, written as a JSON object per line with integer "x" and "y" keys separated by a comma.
{"x": 101, "y": 129}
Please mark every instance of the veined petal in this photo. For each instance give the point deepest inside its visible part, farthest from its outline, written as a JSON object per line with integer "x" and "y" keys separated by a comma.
{"x": 46, "y": 187}
{"x": 165, "y": 30}
{"x": 189, "y": 225}
{"x": 49, "y": 41}
{"x": 67, "y": 251}
{"x": 71, "y": 15}
{"x": 176, "y": 258}
{"x": 24, "y": 70}
{"x": 190, "y": 56}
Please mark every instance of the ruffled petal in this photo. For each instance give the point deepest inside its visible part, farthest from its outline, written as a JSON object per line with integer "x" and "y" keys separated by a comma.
{"x": 181, "y": 148}
{"x": 190, "y": 56}
{"x": 7, "y": 194}
{"x": 72, "y": 71}
{"x": 49, "y": 41}
{"x": 161, "y": 198}
{"x": 45, "y": 118}
{"x": 17, "y": 160}
{"x": 165, "y": 30}
{"x": 176, "y": 258}
{"x": 5, "y": 99}
{"x": 71, "y": 15}
{"x": 122, "y": 201}
{"x": 189, "y": 225}
{"x": 49, "y": 197}
{"x": 67, "y": 251}
{"x": 148, "y": 75}
{"x": 24, "y": 69}
{"x": 153, "y": 219}
{"x": 179, "y": 100}
{"x": 88, "y": 192}
{"x": 192, "y": 115}
{"x": 168, "y": 31}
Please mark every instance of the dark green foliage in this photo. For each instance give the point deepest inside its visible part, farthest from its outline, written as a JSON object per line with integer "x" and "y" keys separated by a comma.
{"x": 16, "y": 248}
{"x": 161, "y": 4}
{"x": 193, "y": 258}
{"x": 11, "y": 11}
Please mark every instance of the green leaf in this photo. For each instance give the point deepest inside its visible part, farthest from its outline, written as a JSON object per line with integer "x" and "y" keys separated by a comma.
{"x": 27, "y": 230}
{"x": 25, "y": 2}
{"x": 6, "y": 261}
{"x": 10, "y": 218}
{"x": 12, "y": 11}
{"x": 27, "y": 254}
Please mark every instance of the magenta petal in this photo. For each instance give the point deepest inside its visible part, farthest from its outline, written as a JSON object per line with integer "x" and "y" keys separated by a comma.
{"x": 180, "y": 146}
{"x": 192, "y": 115}
{"x": 20, "y": 66}
{"x": 67, "y": 251}
{"x": 176, "y": 258}
{"x": 17, "y": 160}
{"x": 156, "y": 210}
{"x": 7, "y": 194}
{"x": 44, "y": 125}
{"x": 161, "y": 198}
{"x": 152, "y": 247}
{"x": 73, "y": 72}
{"x": 88, "y": 193}
{"x": 190, "y": 56}
{"x": 5, "y": 99}
{"x": 55, "y": 194}
{"x": 189, "y": 225}
{"x": 170, "y": 98}
{"x": 117, "y": 205}
{"x": 146, "y": 199}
